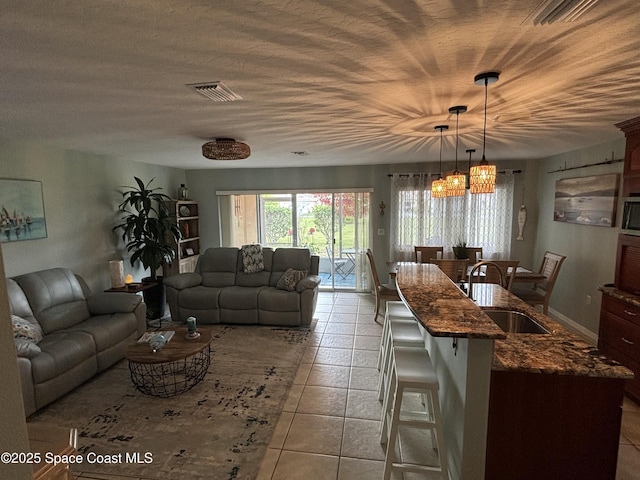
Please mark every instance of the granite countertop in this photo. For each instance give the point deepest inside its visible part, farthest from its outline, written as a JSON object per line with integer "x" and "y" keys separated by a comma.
{"x": 442, "y": 308}
{"x": 620, "y": 295}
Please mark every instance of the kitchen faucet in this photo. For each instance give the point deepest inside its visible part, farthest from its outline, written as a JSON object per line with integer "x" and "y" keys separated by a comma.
{"x": 477, "y": 266}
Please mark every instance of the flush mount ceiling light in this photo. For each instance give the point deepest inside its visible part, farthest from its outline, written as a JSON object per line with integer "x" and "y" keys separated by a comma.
{"x": 225, "y": 149}
{"x": 457, "y": 181}
{"x": 483, "y": 176}
{"x": 439, "y": 187}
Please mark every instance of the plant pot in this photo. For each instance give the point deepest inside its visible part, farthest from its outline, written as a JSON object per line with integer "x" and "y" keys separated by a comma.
{"x": 461, "y": 253}
{"x": 155, "y": 298}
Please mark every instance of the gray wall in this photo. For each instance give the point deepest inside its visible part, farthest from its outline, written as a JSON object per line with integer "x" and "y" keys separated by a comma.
{"x": 81, "y": 195}
{"x": 590, "y": 250}
{"x": 203, "y": 185}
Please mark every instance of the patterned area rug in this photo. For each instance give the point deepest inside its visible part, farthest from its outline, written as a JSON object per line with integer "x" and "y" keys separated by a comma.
{"x": 218, "y": 430}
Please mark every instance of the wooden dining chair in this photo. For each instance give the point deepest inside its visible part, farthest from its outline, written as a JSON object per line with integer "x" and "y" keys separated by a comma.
{"x": 456, "y": 269}
{"x": 508, "y": 268}
{"x": 427, "y": 253}
{"x": 384, "y": 291}
{"x": 540, "y": 293}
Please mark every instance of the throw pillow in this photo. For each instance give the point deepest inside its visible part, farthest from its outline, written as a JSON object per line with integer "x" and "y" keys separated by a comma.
{"x": 290, "y": 279}
{"x": 24, "y": 329}
{"x": 252, "y": 258}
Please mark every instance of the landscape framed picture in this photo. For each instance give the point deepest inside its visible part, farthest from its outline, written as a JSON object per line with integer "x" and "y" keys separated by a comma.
{"x": 587, "y": 200}
{"x": 21, "y": 210}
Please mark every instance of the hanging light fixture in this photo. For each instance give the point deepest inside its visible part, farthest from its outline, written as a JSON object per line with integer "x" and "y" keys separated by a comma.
{"x": 483, "y": 176}
{"x": 439, "y": 187}
{"x": 469, "y": 151}
{"x": 457, "y": 181}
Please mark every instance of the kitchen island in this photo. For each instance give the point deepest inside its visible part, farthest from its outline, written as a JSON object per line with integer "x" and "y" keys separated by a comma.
{"x": 502, "y": 393}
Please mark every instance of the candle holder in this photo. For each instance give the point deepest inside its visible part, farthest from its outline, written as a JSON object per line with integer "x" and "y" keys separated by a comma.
{"x": 192, "y": 328}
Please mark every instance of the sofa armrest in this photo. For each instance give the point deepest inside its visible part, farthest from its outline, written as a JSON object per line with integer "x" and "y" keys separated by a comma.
{"x": 26, "y": 348}
{"x": 105, "y": 303}
{"x": 183, "y": 280}
{"x": 308, "y": 282}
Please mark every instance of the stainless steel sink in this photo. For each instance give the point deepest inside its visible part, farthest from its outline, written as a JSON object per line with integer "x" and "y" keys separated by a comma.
{"x": 515, "y": 322}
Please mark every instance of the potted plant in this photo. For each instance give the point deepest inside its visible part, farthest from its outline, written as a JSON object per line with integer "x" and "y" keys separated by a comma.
{"x": 460, "y": 251}
{"x": 150, "y": 233}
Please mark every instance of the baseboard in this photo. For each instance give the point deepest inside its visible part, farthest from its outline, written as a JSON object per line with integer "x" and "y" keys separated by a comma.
{"x": 574, "y": 326}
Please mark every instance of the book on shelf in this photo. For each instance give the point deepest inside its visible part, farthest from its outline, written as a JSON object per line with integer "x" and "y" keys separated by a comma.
{"x": 167, "y": 334}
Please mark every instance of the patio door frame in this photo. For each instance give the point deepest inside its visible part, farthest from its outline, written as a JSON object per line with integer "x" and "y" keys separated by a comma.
{"x": 362, "y": 239}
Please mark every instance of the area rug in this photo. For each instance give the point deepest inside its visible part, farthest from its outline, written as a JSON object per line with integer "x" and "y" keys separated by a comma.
{"x": 219, "y": 430}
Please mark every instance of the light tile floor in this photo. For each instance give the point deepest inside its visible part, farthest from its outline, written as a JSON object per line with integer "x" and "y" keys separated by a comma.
{"x": 329, "y": 427}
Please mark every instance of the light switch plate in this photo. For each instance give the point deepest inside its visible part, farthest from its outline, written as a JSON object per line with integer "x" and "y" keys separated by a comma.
{"x": 380, "y": 231}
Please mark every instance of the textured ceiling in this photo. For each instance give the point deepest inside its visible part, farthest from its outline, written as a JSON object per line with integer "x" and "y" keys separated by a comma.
{"x": 349, "y": 82}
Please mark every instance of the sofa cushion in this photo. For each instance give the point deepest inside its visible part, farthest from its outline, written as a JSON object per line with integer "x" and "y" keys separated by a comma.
{"x": 285, "y": 258}
{"x": 290, "y": 279}
{"x": 276, "y": 300}
{"x": 239, "y": 298}
{"x": 61, "y": 351}
{"x": 18, "y": 301}
{"x": 218, "y": 266}
{"x": 56, "y": 298}
{"x": 258, "y": 279}
{"x": 108, "y": 330}
{"x": 24, "y": 329}
{"x": 199, "y": 298}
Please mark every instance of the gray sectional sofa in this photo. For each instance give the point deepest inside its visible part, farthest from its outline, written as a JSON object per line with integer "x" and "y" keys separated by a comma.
{"x": 220, "y": 291}
{"x": 77, "y": 334}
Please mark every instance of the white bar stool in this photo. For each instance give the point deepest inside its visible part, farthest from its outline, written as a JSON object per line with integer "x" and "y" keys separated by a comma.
{"x": 398, "y": 311}
{"x": 412, "y": 371}
{"x": 400, "y": 333}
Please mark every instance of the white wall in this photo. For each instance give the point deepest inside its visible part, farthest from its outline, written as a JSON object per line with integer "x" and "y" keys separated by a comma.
{"x": 590, "y": 250}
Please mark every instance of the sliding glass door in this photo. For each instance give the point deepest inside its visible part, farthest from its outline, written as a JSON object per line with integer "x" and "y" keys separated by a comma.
{"x": 333, "y": 225}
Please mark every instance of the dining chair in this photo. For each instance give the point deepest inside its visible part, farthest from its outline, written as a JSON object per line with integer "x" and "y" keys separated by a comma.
{"x": 384, "y": 291}
{"x": 427, "y": 253}
{"x": 455, "y": 269}
{"x": 541, "y": 291}
{"x": 475, "y": 254}
{"x": 508, "y": 268}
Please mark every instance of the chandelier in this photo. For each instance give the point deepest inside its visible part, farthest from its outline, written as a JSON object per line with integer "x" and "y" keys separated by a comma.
{"x": 457, "y": 181}
{"x": 483, "y": 176}
{"x": 439, "y": 186}
{"x": 225, "y": 149}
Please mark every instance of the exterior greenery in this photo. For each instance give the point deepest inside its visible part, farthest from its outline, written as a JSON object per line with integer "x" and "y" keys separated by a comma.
{"x": 148, "y": 227}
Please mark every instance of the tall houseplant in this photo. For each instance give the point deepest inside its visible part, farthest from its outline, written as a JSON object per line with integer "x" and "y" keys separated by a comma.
{"x": 150, "y": 233}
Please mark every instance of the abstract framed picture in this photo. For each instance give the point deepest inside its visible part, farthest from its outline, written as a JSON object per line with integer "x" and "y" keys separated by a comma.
{"x": 21, "y": 210}
{"x": 587, "y": 200}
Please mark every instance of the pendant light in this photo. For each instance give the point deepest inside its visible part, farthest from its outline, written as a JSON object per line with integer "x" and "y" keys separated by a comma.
{"x": 457, "y": 181}
{"x": 483, "y": 176}
{"x": 469, "y": 151}
{"x": 439, "y": 187}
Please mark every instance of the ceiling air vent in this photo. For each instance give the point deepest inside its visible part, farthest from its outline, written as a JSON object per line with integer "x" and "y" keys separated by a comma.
{"x": 216, "y": 91}
{"x": 552, "y": 11}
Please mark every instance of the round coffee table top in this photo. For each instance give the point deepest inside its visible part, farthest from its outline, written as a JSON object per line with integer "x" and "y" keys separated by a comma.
{"x": 178, "y": 348}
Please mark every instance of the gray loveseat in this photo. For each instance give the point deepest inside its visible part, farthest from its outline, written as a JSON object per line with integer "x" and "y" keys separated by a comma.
{"x": 219, "y": 291}
{"x": 81, "y": 334}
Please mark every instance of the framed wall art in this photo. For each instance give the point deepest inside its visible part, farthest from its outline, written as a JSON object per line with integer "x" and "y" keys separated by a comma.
{"x": 21, "y": 210}
{"x": 587, "y": 200}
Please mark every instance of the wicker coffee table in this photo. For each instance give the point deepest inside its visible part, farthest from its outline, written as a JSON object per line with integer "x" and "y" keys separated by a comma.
{"x": 172, "y": 370}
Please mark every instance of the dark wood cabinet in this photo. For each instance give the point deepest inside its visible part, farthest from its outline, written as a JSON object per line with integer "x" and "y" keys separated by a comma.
{"x": 619, "y": 335}
{"x": 553, "y": 427}
{"x": 631, "y": 181}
